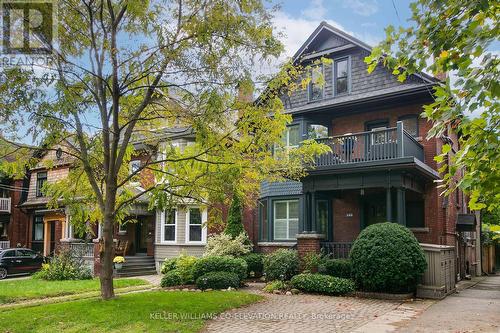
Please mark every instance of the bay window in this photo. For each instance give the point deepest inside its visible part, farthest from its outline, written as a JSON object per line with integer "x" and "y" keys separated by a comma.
{"x": 286, "y": 219}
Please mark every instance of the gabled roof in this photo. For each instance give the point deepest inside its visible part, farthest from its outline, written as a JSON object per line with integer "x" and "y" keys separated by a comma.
{"x": 351, "y": 41}
{"x": 324, "y": 26}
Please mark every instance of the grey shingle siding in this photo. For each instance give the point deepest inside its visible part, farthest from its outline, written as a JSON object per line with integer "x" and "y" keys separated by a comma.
{"x": 362, "y": 83}
{"x": 280, "y": 188}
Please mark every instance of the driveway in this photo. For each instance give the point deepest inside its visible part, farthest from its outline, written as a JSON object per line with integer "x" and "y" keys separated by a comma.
{"x": 301, "y": 313}
{"x": 476, "y": 309}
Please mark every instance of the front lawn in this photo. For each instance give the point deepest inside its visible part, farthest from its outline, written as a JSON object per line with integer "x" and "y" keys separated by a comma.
{"x": 25, "y": 289}
{"x": 157, "y": 311}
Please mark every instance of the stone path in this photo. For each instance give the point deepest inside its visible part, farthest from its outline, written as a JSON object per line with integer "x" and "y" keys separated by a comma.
{"x": 301, "y": 313}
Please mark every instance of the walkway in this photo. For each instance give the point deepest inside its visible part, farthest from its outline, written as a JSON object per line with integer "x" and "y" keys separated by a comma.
{"x": 301, "y": 313}
{"x": 476, "y": 309}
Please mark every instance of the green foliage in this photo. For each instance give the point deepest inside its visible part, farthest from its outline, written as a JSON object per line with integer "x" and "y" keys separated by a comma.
{"x": 386, "y": 257}
{"x": 64, "y": 266}
{"x": 311, "y": 261}
{"x": 281, "y": 264}
{"x": 234, "y": 226}
{"x": 450, "y": 36}
{"x": 254, "y": 264}
{"x": 172, "y": 278}
{"x": 336, "y": 267}
{"x": 490, "y": 234}
{"x": 220, "y": 264}
{"x": 323, "y": 284}
{"x": 183, "y": 265}
{"x": 225, "y": 245}
{"x": 276, "y": 285}
{"x": 218, "y": 280}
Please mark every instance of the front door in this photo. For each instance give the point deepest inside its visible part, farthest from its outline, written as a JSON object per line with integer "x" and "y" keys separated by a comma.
{"x": 141, "y": 236}
{"x": 374, "y": 209}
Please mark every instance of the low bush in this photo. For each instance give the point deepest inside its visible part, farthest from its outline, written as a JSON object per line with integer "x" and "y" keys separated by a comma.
{"x": 172, "y": 278}
{"x": 311, "y": 261}
{"x": 336, "y": 267}
{"x": 281, "y": 264}
{"x": 276, "y": 285}
{"x": 386, "y": 257}
{"x": 220, "y": 264}
{"x": 218, "y": 280}
{"x": 64, "y": 266}
{"x": 323, "y": 284}
{"x": 225, "y": 245}
{"x": 254, "y": 264}
{"x": 183, "y": 264}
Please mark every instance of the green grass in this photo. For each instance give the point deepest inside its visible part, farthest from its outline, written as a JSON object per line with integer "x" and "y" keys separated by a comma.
{"x": 27, "y": 289}
{"x": 128, "y": 313}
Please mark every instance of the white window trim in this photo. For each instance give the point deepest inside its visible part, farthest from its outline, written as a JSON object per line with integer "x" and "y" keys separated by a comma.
{"x": 288, "y": 219}
{"x": 120, "y": 230}
{"x": 162, "y": 227}
{"x": 203, "y": 225}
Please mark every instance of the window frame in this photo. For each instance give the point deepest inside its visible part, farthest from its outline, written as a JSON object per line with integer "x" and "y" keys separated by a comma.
{"x": 288, "y": 218}
{"x": 38, "y": 189}
{"x": 411, "y": 116}
{"x": 203, "y": 214}
{"x": 163, "y": 224}
{"x": 35, "y": 218}
{"x": 287, "y": 147}
{"x": 122, "y": 231}
{"x": 335, "y": 77}
{"x": 311, "y": 83}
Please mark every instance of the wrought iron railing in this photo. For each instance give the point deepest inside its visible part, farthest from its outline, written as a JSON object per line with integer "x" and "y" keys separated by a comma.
{"x": 4, "y": 244}
{"x": 5, "y": 205}
{"x": 337, "y": 250}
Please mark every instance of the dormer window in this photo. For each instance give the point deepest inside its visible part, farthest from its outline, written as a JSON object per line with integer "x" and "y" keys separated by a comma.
{"x": 316, "y": 85}
{"x": 341, "y": 76}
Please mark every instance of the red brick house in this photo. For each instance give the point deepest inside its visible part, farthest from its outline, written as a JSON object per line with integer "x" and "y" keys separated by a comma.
{"x": 381, "y": 167}
{"x": 13, "y": 221}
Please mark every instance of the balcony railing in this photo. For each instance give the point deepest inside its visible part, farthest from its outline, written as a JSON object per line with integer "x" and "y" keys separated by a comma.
{"x": 5, "y": 205}
{"x": 337, "y": 250}
{"x": 4, "y": 245}
{"x": 376, "y": 145}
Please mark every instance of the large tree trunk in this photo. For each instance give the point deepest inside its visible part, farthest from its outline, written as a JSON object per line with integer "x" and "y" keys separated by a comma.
{"x": 106, "y": 256}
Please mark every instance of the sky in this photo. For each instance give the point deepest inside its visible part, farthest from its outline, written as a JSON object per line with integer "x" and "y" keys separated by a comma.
{"x": 365, "y": 19}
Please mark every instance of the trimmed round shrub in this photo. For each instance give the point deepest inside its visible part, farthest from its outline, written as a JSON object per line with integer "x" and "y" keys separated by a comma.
{"x": 322, "y": 284}
{"x": 336, "y": 267}
{"x": 172, "y": 278}
{"x": 281, "y": 264}
{"x": 218, "y": 280}
{"x": 254, "y": 263}
{"x": 220, "y": 264}
{"x": 386, "y": 257}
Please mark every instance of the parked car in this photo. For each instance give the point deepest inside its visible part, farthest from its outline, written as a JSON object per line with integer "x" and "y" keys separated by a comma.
{"x": 19, "y": 261}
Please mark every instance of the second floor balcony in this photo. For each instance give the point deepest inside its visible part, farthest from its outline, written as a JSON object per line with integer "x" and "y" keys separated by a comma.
{"x": 376, "y": 147}
{"x": 5, "y": 204}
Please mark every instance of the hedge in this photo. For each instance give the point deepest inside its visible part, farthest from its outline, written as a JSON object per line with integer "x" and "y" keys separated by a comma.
{"x": 218, "y": 280}
{"x": 220, "y": 264}
{"x": 323, "y": 284}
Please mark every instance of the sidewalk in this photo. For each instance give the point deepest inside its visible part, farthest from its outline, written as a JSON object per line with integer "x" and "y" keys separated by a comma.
{"x": 476, "y": 309}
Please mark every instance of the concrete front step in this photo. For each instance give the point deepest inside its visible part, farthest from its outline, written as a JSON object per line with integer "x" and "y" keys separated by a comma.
{"x": 136, "y": 273}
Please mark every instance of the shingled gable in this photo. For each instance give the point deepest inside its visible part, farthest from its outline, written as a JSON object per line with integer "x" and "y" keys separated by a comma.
{"x": 328, "y": 39}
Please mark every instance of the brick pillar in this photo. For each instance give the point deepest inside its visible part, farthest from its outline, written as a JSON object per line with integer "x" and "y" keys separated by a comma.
{"x": 308, "y": 243}
{"x": 97, "y": 258}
